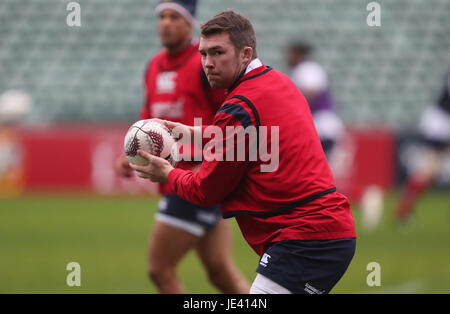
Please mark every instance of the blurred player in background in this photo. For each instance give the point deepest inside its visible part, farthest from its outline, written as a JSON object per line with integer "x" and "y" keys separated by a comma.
{"x": 312, "y": 80}
{"x": 290, "y": 214}
{"x": 177, "y": 89}
{"x": 435, "y": 131}
{"x": 15, "y": 107}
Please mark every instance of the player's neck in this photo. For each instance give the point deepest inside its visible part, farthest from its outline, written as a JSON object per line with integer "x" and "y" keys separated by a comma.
{"x": 174, "y": 50}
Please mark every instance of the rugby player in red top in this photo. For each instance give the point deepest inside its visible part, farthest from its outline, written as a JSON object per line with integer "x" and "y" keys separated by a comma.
{"x": 287, "y": 208}
{"x": 176, "y": 88}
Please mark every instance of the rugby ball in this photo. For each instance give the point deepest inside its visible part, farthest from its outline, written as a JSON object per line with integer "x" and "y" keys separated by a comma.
{"x": 152, "y": 137}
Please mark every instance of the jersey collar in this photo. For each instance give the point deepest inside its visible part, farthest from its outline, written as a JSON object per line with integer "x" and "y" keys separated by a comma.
{"x": 254, "y": 69}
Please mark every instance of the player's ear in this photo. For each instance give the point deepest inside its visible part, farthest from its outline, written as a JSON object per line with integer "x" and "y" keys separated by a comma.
{"x": 246, "y": 55}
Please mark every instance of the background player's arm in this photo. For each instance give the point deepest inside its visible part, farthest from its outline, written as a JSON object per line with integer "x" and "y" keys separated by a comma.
{"x": 122, "y": 165}
{"x": 145, "y": 110}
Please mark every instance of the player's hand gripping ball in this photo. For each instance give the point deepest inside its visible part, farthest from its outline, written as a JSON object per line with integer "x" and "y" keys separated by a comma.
{"x": 152, "y": 137}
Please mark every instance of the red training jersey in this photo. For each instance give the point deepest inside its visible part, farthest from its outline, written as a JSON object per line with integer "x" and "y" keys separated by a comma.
{"x": 298, "y": 200}
{"x": 176, "y": 89}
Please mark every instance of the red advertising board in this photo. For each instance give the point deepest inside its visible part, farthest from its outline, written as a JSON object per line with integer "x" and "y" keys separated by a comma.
{"x": 75, "y": 157}
{"x": 364, "y": 157}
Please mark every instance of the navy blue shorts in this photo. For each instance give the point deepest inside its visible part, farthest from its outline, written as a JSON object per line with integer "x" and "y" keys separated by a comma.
{"x": 307, "y": 267}
{"x": 180, "y": 213}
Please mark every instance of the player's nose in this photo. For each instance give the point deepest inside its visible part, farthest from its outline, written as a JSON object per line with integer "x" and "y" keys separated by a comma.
{"x": 208, "y": 62}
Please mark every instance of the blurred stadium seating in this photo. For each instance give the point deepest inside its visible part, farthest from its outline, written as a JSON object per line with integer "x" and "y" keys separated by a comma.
{"x": 384, "y": 74}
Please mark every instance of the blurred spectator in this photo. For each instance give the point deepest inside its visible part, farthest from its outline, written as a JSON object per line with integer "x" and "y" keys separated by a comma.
{"x": 15, "y": 106}
{"x": 434, "y": 128}
{"x": 312, "y": 80}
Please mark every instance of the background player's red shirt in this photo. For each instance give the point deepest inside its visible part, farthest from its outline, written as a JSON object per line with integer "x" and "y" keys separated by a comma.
{"x": 246, "y": 192}
{"x": 176, "y": 89}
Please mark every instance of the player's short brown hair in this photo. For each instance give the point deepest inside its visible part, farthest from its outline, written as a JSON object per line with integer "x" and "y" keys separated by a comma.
{"x": 237, "y": 26}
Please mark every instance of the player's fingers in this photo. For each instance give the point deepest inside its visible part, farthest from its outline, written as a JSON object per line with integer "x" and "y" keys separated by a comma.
{"x": 153, "y": 178}
{"x": 145, "y": 155}
{"x": 142, "y": 175}
{"x": 158, "y": 120}
{"x": 152, "y": 160}
{"x": 138, "y": 168}
{"x": 170, "y": 125}
{"x": 178, "y": 131}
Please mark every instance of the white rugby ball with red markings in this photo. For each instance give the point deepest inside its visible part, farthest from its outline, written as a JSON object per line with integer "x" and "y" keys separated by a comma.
{"x": 152, "y": 137}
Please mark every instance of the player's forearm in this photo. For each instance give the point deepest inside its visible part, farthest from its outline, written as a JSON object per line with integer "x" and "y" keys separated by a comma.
{"x": 212, "y": 184}
{"x": 185, "y": 184}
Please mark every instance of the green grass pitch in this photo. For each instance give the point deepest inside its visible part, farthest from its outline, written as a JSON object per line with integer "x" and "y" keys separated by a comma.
{"x": 108, "y": 236}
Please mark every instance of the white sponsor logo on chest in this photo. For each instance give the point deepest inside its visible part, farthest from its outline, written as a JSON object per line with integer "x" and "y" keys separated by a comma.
{"x": 165, "y": 82}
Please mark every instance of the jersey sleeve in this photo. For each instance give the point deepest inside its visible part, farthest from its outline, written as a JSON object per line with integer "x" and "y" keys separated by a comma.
{"x": 220, "y": 173}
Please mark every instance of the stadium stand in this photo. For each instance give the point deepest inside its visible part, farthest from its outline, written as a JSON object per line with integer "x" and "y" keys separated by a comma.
{"x": 379, "y": 75}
